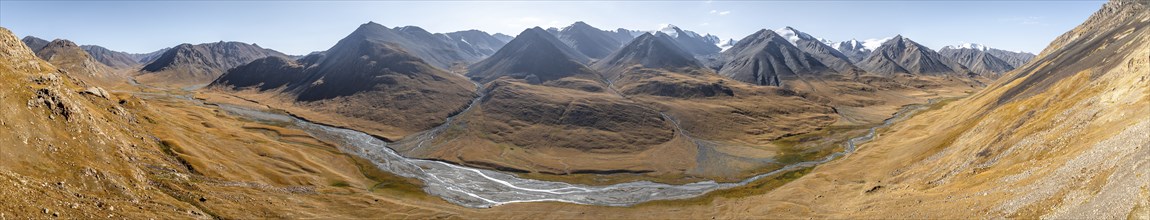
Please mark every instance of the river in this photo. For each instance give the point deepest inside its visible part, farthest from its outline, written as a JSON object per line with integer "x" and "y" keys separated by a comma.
{"x": 479, "y": 188}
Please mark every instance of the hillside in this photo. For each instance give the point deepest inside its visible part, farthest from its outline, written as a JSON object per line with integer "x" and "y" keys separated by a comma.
{"x": 193, "y": 65}
{"x": 69, "y": 148}
{"x": 826, "y": 54}
{"x": 114, "y": 59}
{"x": 535, "y": 56}
{"x": 77, "y": 63}
{"x": 588, "y": 40}
{"x": 900, "y": 55}
{"x": 1062, "y": 137}
{"x": 978, "y": 61}
{"x": 765, "y": 58}
{"x": 360, "y": 82}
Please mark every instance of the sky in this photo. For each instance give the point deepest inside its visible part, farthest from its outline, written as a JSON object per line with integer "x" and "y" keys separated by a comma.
{"x": 301, "y": 27}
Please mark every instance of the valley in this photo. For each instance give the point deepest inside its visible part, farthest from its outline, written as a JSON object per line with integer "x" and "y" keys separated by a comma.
{"x": 581, "y": 122}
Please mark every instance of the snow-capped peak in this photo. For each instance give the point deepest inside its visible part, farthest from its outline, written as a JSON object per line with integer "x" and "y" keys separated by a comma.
{"x": 871, "y": 44}
{"x": 852, "y": 45}
{"x": 726, "y": 44}
{"x": 669, "y": 29}
{"x": 827, "y": 42}
{"x": 712, "y": 39}
{"x": 974, "y": 46}
{"x": 792, "y": 35}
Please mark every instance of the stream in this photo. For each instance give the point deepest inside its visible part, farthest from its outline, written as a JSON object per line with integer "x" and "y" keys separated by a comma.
{"x": 479, "y": 188}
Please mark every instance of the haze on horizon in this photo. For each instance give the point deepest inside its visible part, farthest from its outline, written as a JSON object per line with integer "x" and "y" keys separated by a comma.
{"x": 300, "y": 27}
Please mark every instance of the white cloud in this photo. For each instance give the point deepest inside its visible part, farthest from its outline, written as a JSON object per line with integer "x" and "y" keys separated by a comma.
{"x": 720, "y": 13}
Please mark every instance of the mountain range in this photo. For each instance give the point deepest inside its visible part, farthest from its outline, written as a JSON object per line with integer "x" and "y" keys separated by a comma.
{"x": 766, "y": 58}
{"x": 966, "y": 132}
{"x": 535, "y": 56}
{"x": 188, "y": 64}
{"x": 901, "y": 55}
{"x": 361, "y": 80}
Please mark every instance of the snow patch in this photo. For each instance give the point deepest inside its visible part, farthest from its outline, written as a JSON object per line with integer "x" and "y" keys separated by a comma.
{"x": 669, "y": 29}
{"x": 965, "y": 45}
{"x": 871, "y": 44}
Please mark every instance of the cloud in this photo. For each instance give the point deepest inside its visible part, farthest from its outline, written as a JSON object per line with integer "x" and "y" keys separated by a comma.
{"x": 720, "y": 13}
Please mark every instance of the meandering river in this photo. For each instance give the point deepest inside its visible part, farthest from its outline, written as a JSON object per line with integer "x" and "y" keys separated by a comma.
{"x": 479, "y": 188}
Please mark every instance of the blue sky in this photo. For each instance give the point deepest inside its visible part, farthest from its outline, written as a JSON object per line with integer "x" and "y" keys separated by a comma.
{"x": 299, "y": 27}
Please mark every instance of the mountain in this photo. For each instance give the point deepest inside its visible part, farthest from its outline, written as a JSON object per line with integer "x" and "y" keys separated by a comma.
{"x": 624, "y": 35}
{"x": 63, "y": 144}
{"x": 977, "y": 59}
{"x": 901, "y": 55}
{"x": 766, "y": 58}
{"x": 77, "y": 63}
{"x": 1061, "y": 137}
{"x": 114, "y": 59}
{"x": 34, "y": 42}
{"x": 502, "y": 37}
{"x": 435, "y": 49}
{"x": 692, "y": 42}
{"x": 423, "y": 44}
{"x": 360, "y": 82}
{"x": 544, "y": 112}
{"x": 534, "y": 55}
{"x": 653, "y": 64}
{"x": 712, "y": 39}
{"x": 475, "y": 42}
{"x": 188, "y": 64}
{"x": 657, "y": 51}
{"x": 819, "y": 50}
{"x": 854, "y": 50}
{"x": 727, "y": 44}
{"x": 590, "y": 41}
{"x": 1013, "y": 58}
{"x": 144, "y": 58}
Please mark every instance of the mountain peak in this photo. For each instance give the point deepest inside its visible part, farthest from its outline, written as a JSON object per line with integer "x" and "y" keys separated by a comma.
{"x": 670, "y": 30}
{"x": 793, "y": 35}
{"x": 650, "y": 50}
{"x": 972, "y": 46}
{"x": 371, "y": 24}
{"x": 535, "y": 55}
{"x": 62, "y": 43}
